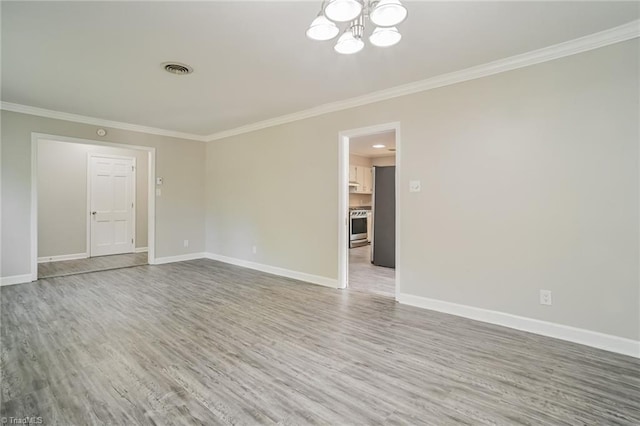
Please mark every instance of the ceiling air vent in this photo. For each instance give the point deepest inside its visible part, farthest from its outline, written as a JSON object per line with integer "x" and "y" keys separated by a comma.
{"x": 177, "y": 68}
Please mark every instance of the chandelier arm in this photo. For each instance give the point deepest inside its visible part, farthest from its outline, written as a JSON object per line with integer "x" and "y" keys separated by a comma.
{"x": 357, "y": 27}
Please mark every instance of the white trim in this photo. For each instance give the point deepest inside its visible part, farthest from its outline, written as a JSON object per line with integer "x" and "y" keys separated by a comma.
{"x": 593, "y": 41}
{"x": 179, "y": 258}
{"x": 343, "y": 196}
{"x": 15, "y": 279}
{"x": 300, "y": 276}
{"x": 151, "y": 195}
{"x": 343, "y": 210}
{"x": 572, "y": 334}
{"x": 151, "y": 206}
{"x": 134, "y": 201}
{"x": 62, "y": 257}
{"x": 47, "y": 113}
{"x": 34, "y": 207}
{"x": 141, "y": 250}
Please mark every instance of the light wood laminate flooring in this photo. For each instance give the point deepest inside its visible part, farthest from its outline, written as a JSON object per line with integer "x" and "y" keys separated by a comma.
{"x": 365, "y": 276}
{"x": 91, "y": 264}
{"x": 202, "y": 342}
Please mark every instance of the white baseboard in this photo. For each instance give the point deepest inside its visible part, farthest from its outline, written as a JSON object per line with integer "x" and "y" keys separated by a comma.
{"x": 15, "y": 279}
{"x": 572, "y": 334}
{"x": 62, "y": 257}
{"x": 141, "y": 249}
{"x": 179, "y": 258}
{"x": 301, "y": 276}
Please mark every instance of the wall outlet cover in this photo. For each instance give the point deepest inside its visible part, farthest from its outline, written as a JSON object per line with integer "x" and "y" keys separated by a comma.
{"x": 545, "y": 297}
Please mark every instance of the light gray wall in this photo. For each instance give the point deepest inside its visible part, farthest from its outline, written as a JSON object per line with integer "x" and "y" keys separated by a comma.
{"x": 529, "y": 181}
{"x": 62, "y": 195}
{"x": 358, "y": 160}
{"x": 179, "y": 211}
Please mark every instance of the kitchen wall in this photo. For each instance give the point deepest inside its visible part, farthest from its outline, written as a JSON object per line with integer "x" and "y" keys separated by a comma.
{"x": 358, "y": 160}
{"x": 179, "y": 211}
{"x": 529, "y": 181}
{"x": 389, "y": 160}
{"x": 359, "y": 200}
{"x": 62, "y": 196}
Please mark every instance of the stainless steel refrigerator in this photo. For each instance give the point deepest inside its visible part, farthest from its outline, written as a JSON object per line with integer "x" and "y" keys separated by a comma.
{"x": 383, "y": 245}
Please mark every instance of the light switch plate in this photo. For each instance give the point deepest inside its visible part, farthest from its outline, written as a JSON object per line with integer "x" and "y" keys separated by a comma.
{"x": 414, "y": 186}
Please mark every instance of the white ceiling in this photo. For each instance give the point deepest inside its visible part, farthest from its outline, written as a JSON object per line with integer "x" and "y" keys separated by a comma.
{"x": 363, "y": 145}
{"x": 252, "y": 60}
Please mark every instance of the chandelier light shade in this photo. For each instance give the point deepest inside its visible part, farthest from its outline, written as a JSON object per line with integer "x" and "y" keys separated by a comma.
{"x": 343, "y": 10}
{"x": 385, "y": 37}
{"x": 388, "y": 13}
{"x": 348, "y": 44}
{"x": 322, "y": 29}
{"x": 385, "y": 14}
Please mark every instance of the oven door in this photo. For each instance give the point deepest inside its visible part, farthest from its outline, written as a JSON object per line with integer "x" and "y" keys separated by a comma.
{"x": 358, "y": 229}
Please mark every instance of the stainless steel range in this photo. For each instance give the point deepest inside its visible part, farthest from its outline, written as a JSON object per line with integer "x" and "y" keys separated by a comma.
{"x": 358, "y": 229}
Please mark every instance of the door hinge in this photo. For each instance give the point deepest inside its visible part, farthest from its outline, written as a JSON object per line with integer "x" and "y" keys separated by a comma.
{"x": 133, "y": 168}
{"x": 132, "y": 241}
{"x": 131, "y": 205}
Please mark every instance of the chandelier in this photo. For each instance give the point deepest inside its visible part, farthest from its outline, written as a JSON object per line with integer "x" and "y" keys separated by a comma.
{"x": 385, "y": 14}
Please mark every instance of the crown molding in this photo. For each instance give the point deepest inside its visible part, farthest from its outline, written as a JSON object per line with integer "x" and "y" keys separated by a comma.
{"x": 47, "y": 113}
{"x": 604, "y": 38}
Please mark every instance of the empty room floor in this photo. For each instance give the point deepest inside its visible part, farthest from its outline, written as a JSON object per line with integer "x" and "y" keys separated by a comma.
{"x": 364, "y": 276}
{"x": 209, "y": 343}
{"x": 91, "y": 264}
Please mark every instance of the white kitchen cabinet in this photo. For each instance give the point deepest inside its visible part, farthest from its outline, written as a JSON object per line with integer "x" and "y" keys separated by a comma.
{"x": 367, "y": 185}
{"x": 363, "y": 176}
{"x": 353, "y": 174}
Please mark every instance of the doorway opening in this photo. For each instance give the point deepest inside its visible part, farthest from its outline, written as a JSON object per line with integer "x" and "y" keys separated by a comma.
{"x": 93, "y": 206}
{"x": 369, "y": 209}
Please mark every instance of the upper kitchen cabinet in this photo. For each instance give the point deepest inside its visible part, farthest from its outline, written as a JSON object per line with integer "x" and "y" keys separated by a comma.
{"x": 353, "y": 174}
{"x": 367, "y": 183}
{"x": 363, "y": 176}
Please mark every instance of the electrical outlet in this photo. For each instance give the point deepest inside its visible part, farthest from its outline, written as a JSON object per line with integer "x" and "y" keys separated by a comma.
{"x": 254, "y": 249}
{"x": 186, "y": 243}
{"x": 545, "y": 297}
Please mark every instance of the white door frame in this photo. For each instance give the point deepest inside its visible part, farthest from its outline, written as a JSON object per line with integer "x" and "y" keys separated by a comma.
{"x": 91, "y": 155}
{"x": 343, "y": 197}
{"x": 151, "y": 203}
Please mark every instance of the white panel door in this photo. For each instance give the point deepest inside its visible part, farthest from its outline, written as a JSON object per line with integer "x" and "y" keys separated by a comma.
{"x": 111, "y": 195}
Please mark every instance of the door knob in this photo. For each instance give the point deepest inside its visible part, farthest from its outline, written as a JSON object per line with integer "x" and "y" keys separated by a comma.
{"x": 94, "y": 213}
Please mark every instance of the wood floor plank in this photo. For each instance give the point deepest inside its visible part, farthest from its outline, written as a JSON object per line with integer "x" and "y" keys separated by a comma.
{"x": 364, "y": 276}
{"x": 202, "y": 342}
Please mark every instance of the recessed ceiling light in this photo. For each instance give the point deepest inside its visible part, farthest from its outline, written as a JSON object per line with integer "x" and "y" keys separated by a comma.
{"x": 177, "y": 68}
{"x": 378, "y": 146}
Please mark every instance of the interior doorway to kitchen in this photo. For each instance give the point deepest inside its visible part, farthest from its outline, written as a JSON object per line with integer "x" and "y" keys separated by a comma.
{"x": 370, "y": 206}
{"x": 92, "y": 206}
